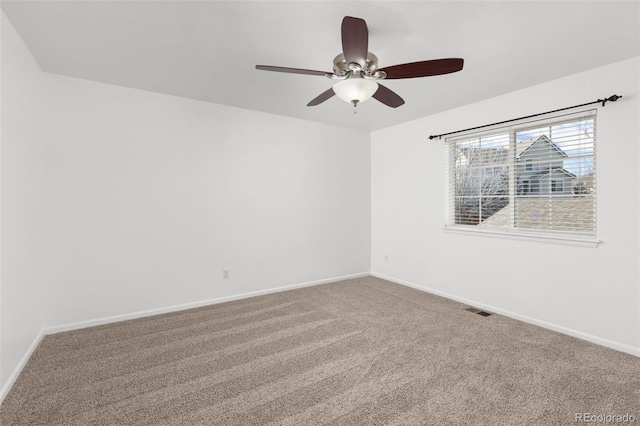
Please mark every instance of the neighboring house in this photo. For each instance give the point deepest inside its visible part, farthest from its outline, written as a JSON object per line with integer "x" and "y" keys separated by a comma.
{"x": 540, "y": 168}
{"x": 540, "y": 174}
{"x": 482, "y": 183}
{"x": 479, "y": 157}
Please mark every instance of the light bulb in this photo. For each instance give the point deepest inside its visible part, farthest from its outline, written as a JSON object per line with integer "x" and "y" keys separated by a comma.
{"x": 355, "y": 89}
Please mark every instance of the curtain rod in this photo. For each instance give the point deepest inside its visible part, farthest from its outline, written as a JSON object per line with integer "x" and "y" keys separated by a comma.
{"x": 612, "y": 98}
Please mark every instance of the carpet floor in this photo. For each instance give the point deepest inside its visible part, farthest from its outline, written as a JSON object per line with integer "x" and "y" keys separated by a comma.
{"x": 358, "y": 352}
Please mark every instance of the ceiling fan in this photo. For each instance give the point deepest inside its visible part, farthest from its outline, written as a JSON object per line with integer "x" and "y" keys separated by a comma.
{"x": 358, "y": 72}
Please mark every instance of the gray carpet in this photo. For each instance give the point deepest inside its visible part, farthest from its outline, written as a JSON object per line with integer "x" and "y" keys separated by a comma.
{"x": 356, "y": 352}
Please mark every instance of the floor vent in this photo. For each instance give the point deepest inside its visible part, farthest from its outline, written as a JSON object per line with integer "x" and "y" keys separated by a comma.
{"x": 478, "y": 311}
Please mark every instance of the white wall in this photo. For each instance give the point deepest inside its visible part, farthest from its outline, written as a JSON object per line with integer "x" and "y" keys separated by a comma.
{"x": 598, "y": 296}
{"x": 22, "y": 195}
{"x": 150, "y": 196}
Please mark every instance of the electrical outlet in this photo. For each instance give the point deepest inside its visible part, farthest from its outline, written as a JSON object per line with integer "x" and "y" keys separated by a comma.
{"x": 225, "y": 274}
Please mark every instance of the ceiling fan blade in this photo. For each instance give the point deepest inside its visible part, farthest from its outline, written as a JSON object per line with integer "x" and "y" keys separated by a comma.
{"x": 292, "y": 70}
{"x": 322, "y": 97}
{"x": 355, "y": 40}
{"x": 424, "y": 68}
{"x": 388, "y": 97}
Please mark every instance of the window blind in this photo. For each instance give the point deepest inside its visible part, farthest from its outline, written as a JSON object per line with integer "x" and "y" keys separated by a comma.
{"x": 535, "y": 176}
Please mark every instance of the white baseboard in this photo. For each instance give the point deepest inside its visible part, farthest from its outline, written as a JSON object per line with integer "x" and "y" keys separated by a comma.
{"x": 184, "y": 306}
{"x": 560, "y": 329}
{"x": 16, "y": 372}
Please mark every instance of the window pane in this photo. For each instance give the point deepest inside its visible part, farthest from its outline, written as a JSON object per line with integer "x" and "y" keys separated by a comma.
{"x": 554, "y": 176}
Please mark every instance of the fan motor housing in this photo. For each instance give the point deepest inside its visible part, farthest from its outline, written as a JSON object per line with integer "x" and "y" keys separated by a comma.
{"x": 342, "y": 68}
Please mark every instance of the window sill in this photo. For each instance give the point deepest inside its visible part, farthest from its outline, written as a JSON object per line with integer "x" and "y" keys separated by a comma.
{"x": 588, "y": 242}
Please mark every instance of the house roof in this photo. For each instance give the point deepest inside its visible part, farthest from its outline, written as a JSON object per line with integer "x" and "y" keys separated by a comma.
{"x": 569, "y": 214}
{"x": 525, "y": 145}
{"x": 550, "y": 171}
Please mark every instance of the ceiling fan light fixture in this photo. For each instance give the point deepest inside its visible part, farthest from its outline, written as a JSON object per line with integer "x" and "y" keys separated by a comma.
{"x": 355, "y": 90}
{"x": 357, "y": 68}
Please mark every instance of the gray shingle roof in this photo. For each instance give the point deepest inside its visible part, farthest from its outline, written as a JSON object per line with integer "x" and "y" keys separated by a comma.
{"x": 570, "y": 213}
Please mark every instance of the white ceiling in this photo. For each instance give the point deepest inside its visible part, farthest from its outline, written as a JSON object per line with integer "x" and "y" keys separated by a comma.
{"x": 207, "y": 50}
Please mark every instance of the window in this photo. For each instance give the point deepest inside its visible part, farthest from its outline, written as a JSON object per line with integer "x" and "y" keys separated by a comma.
{"x": 493, "y": 184}
{"x": 557, "y": 186}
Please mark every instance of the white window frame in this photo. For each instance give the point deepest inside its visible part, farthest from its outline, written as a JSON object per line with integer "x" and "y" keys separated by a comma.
{"x": 576, "y": 239}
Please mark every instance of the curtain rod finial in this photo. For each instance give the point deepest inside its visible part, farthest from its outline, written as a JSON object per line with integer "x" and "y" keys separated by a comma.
{"x": 611, "y": 98}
